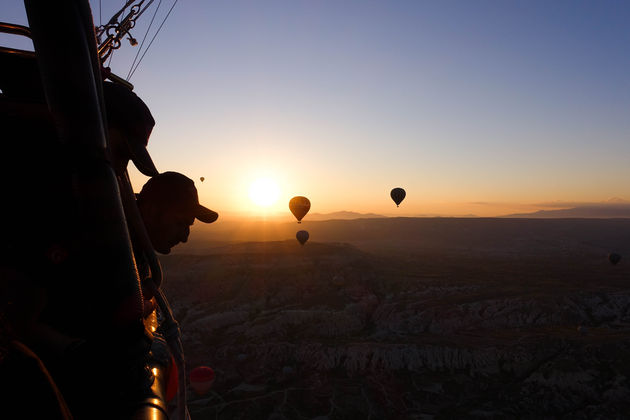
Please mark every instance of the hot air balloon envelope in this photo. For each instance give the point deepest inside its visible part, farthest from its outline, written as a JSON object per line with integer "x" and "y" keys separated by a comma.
{"x": 201, "y": 379}
{"x": 398, "y": 195}
{"x": 614, "y": 258}
{"x": 299, "y": 206}
{"x": 202, "y": 179}
{"x": 302, "y": 236}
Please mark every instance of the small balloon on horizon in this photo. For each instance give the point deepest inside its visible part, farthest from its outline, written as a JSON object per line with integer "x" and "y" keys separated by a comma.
{"x": 398, "y": 195}
{"x": 202, "y": 179}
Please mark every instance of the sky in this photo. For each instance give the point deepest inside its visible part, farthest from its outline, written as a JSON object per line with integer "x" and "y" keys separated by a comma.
{"x": 474, "y": 107}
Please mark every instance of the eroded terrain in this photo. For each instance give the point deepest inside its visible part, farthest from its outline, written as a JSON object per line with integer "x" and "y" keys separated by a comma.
{"x": 332, "y": 331}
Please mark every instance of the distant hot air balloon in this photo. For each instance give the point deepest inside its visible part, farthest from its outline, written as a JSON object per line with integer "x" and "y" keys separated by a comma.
{"x": 201, "y": 379}
{"x": 299, "y": 206}
{"x": 614, "y": 258}
{"x": 202, "y": 179}
{"x": 302, "y": 236}
{"x": 398, "y": 195}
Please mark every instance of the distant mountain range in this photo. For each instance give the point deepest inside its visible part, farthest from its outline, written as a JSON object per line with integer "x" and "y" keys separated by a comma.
{"x": 607, "y": 210}
{"x": 615, "y": 208}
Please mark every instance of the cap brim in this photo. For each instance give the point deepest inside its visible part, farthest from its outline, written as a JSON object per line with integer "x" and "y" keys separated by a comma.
{"x": 206, "y": 215}
{"x": 142, "y": 160}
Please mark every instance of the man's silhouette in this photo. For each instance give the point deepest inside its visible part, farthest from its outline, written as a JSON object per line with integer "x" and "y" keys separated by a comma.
{"x": 169, "y": 205}
{"x": 129, "y": 125}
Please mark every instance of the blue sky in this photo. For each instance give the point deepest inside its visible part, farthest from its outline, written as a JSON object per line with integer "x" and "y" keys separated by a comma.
{"x": 460, "y": 102}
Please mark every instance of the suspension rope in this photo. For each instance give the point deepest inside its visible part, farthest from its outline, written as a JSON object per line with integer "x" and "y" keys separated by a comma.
{"x": 144, "y": 38}
{"x": 143, "y": 8}
{"x": 110, "y": 58}
{"x": 152, "y": 39}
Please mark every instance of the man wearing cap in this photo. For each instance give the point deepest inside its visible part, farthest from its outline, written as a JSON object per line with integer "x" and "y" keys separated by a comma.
{"x": 129, "y": 124}
{"x": 169, "y": 205}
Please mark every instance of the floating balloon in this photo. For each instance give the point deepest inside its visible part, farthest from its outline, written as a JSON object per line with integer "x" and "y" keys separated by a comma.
{"x": 614, "y": 258}
{"x": 398, "y": 195}
{"x": 202, "y": 179}
{"x": 302, "y": 236}
{"x": 299, "y": 206}
{"x": 201, "y": 379}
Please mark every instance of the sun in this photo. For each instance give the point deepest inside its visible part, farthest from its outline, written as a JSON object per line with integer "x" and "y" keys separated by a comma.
{"x": 264, "y": 192}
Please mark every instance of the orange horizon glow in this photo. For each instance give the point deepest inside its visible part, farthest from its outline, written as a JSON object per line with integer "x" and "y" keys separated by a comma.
{"x": 232, "y": 198}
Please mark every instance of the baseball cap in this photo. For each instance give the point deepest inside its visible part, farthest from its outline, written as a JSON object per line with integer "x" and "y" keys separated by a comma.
{"x": 130, "y": 114}
{"x": 177, "y": 191}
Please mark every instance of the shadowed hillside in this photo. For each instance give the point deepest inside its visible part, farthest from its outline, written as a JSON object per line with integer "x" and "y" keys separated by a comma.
{"x": 482, "y": 235}
{"x": 332, "y": 331}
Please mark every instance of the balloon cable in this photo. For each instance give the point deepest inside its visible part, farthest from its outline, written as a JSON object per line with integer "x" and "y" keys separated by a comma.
{"x": 143, "y": 39}
{"x": 152, "y": 39}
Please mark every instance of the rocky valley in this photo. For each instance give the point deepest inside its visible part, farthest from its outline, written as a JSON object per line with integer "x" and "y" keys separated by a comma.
{"x": 337, "y": 330}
